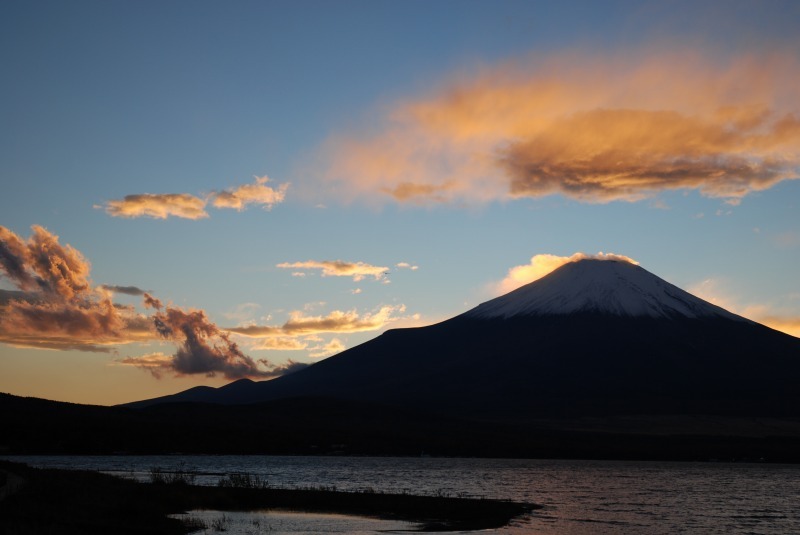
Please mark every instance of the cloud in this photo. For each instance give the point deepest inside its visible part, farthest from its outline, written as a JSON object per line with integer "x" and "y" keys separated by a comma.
{"x": 281, "y": 343}
{"x": 339, "y": 268}
{"x": 337, "y": 321}
{"x": 331, "y": 348}
{"x": 159, "y": 364}
{"x": 187, "y": 206}
{"x": 155, "y": 363}
{"x": 42, "y": 264}
{"x": 288, "y": 368}
{"x": 158, "y": 206}
{"x": 406, "y": 265}
{"x": 258, "y": 193}
{"x": 203, "y": 348}
{"x": 590, "y": 127}
{"x": 126, "y": 290}
{"x": 55, "y": 305}
{"x": 6, "y": 296}
{"x": 542, "y": 264}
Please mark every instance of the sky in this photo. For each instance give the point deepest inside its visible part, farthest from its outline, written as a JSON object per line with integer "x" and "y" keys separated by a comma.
{"x": 198, "y": 192}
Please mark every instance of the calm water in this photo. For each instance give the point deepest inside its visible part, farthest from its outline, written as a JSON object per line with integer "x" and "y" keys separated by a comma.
{"x": 604, "y": 497}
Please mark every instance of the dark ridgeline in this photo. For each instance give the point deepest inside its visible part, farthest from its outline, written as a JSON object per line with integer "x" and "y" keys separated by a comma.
{"x": 598, "y": 359}
{"x": 593, "y": 336}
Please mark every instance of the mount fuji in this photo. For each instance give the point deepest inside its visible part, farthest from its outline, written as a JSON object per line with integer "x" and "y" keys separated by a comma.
{"x": 592, "y": 337}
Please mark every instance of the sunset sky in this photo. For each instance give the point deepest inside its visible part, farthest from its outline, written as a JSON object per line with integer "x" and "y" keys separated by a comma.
{"x": 194, "y": 192}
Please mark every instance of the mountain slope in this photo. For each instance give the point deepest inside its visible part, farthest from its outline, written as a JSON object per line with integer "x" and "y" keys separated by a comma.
{"x": 593, "y": 337}
{"x": 601, "y": 287}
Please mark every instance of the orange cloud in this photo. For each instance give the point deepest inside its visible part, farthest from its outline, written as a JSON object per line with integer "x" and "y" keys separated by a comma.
{"x": 155, "y": 363}
{"x": 42, "y": 264}
{"x": 57, "y": 308}
{"x": 281, "y": 343}
{"x": 339, "y": 268}
{"x": 588, "y": 127}
{"x": 187, "y": 206}
{"x": 542, "y": 264}
{"x": 337, "y": 321}
{"x": 258, "y": 193}
{"x": 158, "y": 206}
{"x": 331, "y": 348}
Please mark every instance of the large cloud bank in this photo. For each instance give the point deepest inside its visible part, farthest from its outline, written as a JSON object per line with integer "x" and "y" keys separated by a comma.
{"x": 588, "y": 127}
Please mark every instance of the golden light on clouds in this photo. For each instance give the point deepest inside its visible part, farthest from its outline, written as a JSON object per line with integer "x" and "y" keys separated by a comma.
{"x": 187, "y": 206}
{"x": 337, "y": 321}
{"x": 55, "y": 305}
{"x": 543, "y": 264}
{"x": 589, "y": 127}
{"x": 158, "y": 206}
{"x": 338, "y": 268}
{"x": 258, "y": 194}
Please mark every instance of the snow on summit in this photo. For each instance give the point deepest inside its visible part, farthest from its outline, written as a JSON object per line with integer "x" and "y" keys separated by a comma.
{"x": 600, "y": 286}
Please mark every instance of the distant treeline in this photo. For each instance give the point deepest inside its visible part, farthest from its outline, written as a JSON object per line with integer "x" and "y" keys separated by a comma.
{"x": 312, "y": 426}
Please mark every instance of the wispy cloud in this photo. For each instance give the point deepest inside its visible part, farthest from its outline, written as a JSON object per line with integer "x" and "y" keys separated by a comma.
{"x": 160, "y": 364}
{"x": 339, "y": 268}
{"x": 126, "y": 290}
{"x": 158, "y": 206}
{"x": 282, "y": 343}
{"x": 406, "y": 265}
{"x": 589, "y": 127}
{"x": 259, "y": 194}
{"x": 337, "y": 321}
{"x": 188, "y": 206}
{"x": 325, "y": 350}
{"x": 542, "y": 264}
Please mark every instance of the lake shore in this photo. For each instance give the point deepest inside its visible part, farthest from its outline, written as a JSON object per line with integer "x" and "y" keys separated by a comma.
{"x": 71, "y": 502}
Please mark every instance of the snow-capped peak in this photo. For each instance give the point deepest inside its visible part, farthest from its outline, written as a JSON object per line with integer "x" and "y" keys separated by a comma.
{"x": 600, "y": 286}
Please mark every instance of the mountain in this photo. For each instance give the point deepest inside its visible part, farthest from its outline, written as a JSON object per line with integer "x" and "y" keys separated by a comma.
{"x": 594, "y": 337}
{"x": 607, "y": 287}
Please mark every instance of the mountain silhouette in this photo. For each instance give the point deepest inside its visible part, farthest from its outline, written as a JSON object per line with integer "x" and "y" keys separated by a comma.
{"x": 592, "y": 337}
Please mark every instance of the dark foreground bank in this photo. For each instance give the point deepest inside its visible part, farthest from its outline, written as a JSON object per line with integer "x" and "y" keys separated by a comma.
{"x": 71, "y": 502}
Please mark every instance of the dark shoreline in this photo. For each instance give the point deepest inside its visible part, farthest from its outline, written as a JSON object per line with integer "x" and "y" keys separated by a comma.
{"x": 75, "y": 501}
{"x": 319, "y": 426}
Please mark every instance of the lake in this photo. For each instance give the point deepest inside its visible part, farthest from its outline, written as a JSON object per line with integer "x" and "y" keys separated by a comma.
{"x": 578, "y": 497}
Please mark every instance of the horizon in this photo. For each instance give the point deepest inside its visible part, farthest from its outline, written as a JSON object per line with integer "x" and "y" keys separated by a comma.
{"x": 198, "y": 193}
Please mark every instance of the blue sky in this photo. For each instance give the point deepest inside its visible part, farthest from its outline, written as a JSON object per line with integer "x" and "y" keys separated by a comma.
{"x": 354, "y": 108}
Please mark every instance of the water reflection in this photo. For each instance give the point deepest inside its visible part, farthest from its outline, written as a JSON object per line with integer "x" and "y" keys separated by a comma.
{"x": 287, "y": 522}
{"x": 597, "y": 497}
